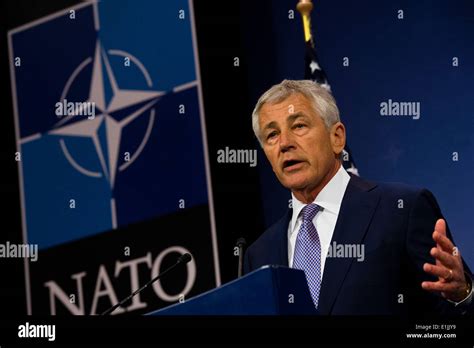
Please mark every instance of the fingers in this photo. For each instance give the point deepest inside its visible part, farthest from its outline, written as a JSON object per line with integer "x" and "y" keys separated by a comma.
{"x": 441, "y": 272}
{"x": 440, "y": 226}
{"x": 443, "y": 242}
{"x": 447, "y": 260}
{"x": 448, "y": 266}
{"x": 439, "y": 286}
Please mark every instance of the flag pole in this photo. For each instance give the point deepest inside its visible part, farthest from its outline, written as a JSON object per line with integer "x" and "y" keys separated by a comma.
{"x": 312, "y": 69}
{"x": 305, "y": 7}
{"x": 315, "y": 73}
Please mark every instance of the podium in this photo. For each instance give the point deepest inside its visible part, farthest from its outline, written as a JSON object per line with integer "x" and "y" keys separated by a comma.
{"x": 270, "y": 290}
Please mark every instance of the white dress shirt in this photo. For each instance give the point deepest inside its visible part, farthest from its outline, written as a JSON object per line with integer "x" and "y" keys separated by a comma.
{"x": 329, "y": 199}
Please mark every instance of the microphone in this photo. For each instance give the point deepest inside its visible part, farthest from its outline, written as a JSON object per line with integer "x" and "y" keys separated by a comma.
{"x": 240, "y": 244}
{"x": 183, "y": 259}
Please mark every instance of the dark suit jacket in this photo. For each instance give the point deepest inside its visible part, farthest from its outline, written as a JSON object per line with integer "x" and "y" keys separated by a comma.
{"x": 395, "y": 223}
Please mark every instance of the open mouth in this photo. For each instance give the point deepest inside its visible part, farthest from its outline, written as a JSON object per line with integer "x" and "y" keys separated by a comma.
{"x": 292, "y": 165}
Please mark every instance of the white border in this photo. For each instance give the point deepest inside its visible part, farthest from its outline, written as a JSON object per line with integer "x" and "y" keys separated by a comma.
{"x": 20, "y": 171}
{"x": 206, "y": 151}
{"x": 19, "y": 142}
{"x": 48, "y": 18}
{"x": 17, "y": 133}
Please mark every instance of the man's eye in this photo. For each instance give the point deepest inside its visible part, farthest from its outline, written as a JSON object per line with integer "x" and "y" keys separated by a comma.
{"x": 299, "y": 125}
{"x": 271, "y": 135}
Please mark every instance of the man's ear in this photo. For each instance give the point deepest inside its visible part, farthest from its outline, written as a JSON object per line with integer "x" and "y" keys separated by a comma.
{"x": 338, "y": 137}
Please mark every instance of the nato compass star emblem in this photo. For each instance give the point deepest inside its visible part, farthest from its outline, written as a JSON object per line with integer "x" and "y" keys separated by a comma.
{"x": 106, "y": 166}
{"x": 107, "y": 150}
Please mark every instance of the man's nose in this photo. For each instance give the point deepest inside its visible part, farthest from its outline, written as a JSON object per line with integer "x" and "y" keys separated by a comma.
{"x": 286, "y": 141}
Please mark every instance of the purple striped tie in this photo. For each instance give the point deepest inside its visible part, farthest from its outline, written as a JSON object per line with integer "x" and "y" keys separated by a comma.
{"x": 307, "y": 255}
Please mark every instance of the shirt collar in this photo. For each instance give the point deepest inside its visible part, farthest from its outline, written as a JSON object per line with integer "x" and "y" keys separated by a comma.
{"x": 330, "y": 197}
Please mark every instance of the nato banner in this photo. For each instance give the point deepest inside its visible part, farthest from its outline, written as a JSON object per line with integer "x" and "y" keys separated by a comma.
{"x": 112, "y": 154}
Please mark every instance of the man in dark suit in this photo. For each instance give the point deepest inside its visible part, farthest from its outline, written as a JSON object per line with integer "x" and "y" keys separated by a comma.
{"x": 365, "y": 248}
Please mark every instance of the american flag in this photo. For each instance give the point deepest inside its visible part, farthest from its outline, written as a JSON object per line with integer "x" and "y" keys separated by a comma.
{"x": 313, "y": 71}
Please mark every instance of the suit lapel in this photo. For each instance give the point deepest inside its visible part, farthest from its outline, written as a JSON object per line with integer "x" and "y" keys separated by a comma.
{"x": 357, "y": 208}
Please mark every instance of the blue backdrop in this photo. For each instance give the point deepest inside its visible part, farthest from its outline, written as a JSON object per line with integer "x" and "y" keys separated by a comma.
{"x": 409, "y": 59}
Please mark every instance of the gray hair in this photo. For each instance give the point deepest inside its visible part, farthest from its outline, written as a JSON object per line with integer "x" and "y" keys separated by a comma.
{"x": 323, "y": 102}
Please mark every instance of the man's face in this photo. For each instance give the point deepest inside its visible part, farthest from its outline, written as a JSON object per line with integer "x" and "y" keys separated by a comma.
{"x": 301, "y": 150}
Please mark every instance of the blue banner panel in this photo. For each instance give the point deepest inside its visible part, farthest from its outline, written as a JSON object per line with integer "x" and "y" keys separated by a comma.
{"x": 109, "y": 125}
